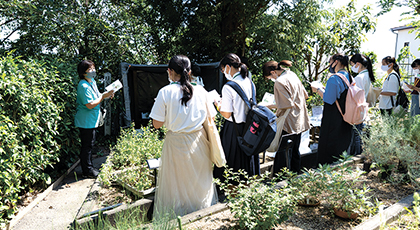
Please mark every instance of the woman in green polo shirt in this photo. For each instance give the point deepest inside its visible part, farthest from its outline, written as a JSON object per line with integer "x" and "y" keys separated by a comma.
{"x": 88, "y": 112}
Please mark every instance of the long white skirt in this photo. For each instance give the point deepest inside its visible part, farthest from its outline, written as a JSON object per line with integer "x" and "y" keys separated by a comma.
{"x": 185, "y": 178}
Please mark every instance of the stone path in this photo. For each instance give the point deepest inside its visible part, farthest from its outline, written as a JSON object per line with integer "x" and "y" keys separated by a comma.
{"x": 60, "y": 207}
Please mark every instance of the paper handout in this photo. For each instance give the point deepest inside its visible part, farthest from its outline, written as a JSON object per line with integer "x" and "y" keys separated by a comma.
{"x": 214, "y": 96}
{"x": 317, "y": 84}
{"x": 268, "y": 99}
{"x": 116, "y": 85}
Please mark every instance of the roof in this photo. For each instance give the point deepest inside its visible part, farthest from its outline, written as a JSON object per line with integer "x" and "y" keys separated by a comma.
{"x": 405, "y": 27}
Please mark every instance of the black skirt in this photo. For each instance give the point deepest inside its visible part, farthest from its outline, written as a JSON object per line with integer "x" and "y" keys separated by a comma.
{"x": 235, "y": 157}
{"x": 335, "y": 134}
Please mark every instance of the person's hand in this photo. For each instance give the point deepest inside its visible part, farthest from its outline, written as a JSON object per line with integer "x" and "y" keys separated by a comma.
{"x": 314, "y": 89}
{"x": 218, "y": 104}
{"x": 410, "y": 86}
{"x": 109, "y": 94}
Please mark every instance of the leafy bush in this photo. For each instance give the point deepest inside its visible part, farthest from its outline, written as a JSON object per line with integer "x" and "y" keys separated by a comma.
{"x": 394, "y": 140}
{"x": 36, "y": 125}
{"x": 128, "y": 158}
{"x": 258, "y": 205}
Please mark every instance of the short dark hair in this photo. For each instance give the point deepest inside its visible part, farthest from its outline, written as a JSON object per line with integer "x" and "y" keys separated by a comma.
{"x": 83, "y": 66}
{"x": 415, "y": 63}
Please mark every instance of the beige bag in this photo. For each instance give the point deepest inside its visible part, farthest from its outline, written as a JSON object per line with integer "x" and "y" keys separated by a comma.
{"x": 373, "y": 95}
{"x": 217, "y": 155}
{"x": 274, "y": 146}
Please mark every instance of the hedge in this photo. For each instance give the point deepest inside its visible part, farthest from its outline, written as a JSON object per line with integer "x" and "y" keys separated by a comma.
{"x": 37, "y": 107}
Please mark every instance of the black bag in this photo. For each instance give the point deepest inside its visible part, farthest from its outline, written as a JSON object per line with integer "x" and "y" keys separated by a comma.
{"x": 402, "y": 99}
{"x": 260, "y": 126}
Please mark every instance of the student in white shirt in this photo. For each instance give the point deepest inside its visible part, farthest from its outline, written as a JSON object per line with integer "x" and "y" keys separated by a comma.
{"x": 195, "y": 75}
{"x": 233, "y": 105}
{"x": 362, "y": 65}
{"x": 185, "y": 180}
{"x": 387, "y": 98}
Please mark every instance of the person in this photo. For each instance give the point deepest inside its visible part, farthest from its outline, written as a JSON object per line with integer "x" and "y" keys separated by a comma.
{"x": 415, "y": 106}
{"x": 390, "y": 87}
{"x": 185, "y": 181}
{"x": 335, "y": 134}
{"x": 88, "y": 114}
{"x": 246, "y": 62}
{"x": 289, "y": 93}
{"x": 361, "y": 65}
{"x": 195, "y": 76}
{"x": 232, "y": 105}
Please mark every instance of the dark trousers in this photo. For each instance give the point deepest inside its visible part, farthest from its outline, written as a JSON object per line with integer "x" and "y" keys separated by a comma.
{"x": 87, "y": 137}
{"x": 386, "y": 111}
{"x": 356, "y": 148}
{"x": 293, "y": 155}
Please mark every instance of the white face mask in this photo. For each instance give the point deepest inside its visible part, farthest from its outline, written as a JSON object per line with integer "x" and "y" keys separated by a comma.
{"x": 227, "y": 75}
{"x": 416, "y": 71}
{"x": 355, "y": 69}
{"x": 91, "y": 74}
{"x": 385, "y": 67}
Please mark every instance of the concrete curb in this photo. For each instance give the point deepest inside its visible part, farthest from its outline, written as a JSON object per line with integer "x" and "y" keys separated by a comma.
{"x": 388, "y": 215}
{"x": 39, "y": 198}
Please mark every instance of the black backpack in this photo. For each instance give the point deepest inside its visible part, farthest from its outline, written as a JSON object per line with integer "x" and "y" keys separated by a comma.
{"x": 401, "y": 96}
{"x": 260, "y": 126}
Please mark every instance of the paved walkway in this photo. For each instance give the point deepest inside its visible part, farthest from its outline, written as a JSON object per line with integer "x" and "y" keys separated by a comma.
{"x": 58, "y": 210}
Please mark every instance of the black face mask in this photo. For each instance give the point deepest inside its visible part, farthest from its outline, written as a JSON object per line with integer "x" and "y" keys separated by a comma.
{"x": 332, "y": 69}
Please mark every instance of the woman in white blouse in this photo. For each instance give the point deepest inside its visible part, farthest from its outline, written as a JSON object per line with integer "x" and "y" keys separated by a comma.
{"x": 232, "y": 105}
{"x": 185, "y": 181}
{"x": 362, "y": 65}
{"x": 387, "y": 98}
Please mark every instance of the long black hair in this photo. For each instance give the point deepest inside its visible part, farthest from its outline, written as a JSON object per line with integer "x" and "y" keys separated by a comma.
{"x": 182, "y": 66}
{"x": 388, "y": 60}
{"x": 366, "y": 62}
{"x": 234, "y": 61}
{"x": 273, "y": 65}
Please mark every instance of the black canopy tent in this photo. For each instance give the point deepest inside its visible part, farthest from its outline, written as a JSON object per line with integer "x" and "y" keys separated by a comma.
{"x": 142, "y": 83}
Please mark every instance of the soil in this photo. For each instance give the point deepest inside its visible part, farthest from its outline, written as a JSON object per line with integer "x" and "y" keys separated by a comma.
{"x": 321, "y": 217}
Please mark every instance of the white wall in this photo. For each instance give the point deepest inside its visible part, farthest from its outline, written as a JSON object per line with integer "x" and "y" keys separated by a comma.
{"x": 414, "y": 44}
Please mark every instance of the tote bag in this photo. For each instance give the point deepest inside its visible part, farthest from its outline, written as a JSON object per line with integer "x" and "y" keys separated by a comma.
{"x": 275, "y": 144}
{"x": 217, "y": 155}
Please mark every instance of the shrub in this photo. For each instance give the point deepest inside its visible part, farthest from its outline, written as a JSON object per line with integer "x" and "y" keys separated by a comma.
{"x": 130, "y": 153}
{"x": 255, "y": 204}
{"x": 36, "y": 125}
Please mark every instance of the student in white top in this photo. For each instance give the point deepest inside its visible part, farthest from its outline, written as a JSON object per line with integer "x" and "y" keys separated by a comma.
{"x": 233, "y": 105}
{"x": 362, "y": 65}
{"x": 390, "y": 86}
{"x": 195, "y": 75}
{"x": 185, "y": 180}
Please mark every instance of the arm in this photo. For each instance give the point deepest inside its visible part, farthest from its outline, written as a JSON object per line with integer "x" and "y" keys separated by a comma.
{"x": 388, "y": 93}
{"x": 98, "y": 101}
{"x": 157, "y": 124}
{"x": 320, "y": 91}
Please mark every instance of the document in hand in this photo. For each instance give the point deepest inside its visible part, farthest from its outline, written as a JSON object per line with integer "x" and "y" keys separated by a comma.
{"x": 317, "y": 84}
{"x": 116, "y": 85}
{"x": 214, "y": 96}
{"x": 268, "y": 99}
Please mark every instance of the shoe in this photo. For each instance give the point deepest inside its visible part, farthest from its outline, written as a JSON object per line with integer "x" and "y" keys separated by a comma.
{"x": 93, "y": 173}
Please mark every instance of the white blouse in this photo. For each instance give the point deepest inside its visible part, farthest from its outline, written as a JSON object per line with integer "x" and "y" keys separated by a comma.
{"x": 232, "y": 102}
{"x": 363, "y": 81}
{"x": 390, "y": 85}
{"x": 178, "y": 117}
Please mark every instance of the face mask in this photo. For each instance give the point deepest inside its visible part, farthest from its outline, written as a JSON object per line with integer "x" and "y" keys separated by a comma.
{"x": 332, "y": 69}
{"x": 416, "y": 71}
{"x": 385, "y": 67}
{"x": 227, "y": 75}
{"x": 91, "y": 74}
{"x": 355, "y": 69}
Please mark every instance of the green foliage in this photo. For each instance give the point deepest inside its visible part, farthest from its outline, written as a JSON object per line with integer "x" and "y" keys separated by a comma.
{"x": 36, "y": 125}
{"x": 257, "y": 205}
{"x": 391, "y": 140}
{"x": 127, "y": 161}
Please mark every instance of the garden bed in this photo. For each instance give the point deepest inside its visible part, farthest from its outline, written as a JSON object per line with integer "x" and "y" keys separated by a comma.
{"x": 320, "y": 217}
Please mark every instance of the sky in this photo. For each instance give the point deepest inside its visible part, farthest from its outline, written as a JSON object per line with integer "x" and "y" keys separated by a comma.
{"x": 382, "y": 41}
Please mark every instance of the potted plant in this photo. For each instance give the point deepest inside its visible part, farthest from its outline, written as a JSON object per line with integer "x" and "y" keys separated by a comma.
{"x": 310, "y": 187}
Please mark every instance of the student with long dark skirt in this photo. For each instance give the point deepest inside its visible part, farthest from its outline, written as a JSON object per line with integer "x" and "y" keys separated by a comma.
{"x": 335, "y": 135}
{"x": 233, "y": 105}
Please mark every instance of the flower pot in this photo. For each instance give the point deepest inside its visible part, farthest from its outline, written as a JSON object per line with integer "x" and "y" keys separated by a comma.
{"x": 344, "y": 214}
{"x": 309, "y": 202}
{"x": 385, "y": 171}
